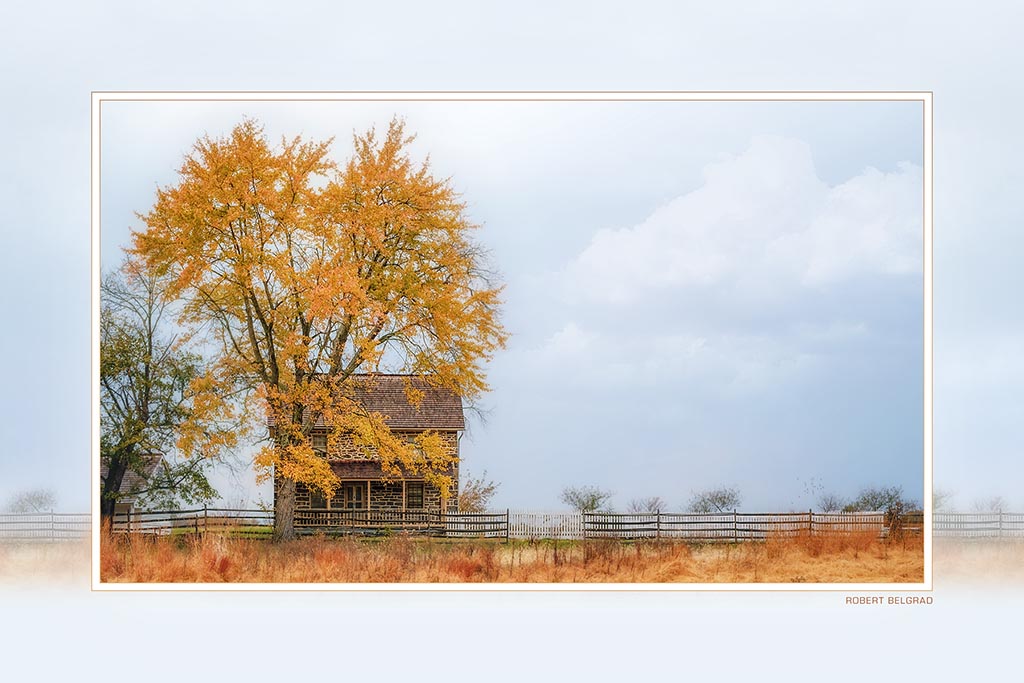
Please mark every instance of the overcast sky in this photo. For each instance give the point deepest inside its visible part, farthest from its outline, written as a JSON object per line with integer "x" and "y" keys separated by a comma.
{"x": 699, "y": 294}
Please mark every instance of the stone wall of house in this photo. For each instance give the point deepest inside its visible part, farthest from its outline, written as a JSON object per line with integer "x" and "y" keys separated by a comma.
{"x": 350, "y": 463}
{"x": 345, "y": 449}
{"x": 387, "y": 495}
{"x": 390, "y": 495}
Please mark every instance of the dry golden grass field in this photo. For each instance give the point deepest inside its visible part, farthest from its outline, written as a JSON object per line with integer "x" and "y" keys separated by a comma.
{"x": 979, "y": 562}
{"x": 859, "y": 559}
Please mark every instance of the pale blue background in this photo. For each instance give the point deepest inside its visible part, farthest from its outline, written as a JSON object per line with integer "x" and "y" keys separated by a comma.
{"x": 53, "y": 55}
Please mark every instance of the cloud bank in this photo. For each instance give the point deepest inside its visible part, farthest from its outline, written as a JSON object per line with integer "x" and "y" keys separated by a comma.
{"x": 763, "y": 274}
{"x": 763, "y": 219}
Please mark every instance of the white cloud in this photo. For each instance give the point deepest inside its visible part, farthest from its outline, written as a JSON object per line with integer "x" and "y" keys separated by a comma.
{"x": 725, "y": 364}
{"x": 569, "y": 340}
{"x": 747, "y": 283}
{"x": 761, "y": 220}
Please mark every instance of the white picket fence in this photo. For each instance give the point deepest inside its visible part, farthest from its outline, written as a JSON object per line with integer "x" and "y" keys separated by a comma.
{"x": 528, "y": 524}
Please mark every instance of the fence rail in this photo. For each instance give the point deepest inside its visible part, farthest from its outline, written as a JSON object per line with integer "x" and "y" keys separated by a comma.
{"x": 44, "y": 526}
{"x": 515, "y": 524}
{"x": 978, "y": 525}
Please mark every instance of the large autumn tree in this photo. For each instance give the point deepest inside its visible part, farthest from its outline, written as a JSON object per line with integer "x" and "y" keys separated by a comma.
{"x": 312, "y": 276}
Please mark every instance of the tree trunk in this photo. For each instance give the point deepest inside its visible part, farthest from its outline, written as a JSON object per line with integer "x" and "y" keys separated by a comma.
{"x": 284, "y": 487}
{"x": 284, "y": 509}
{"x": 116, "y": 468}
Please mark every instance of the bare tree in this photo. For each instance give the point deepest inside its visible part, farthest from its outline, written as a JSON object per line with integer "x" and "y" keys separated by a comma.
{"x": 720, "y": 499}
{"x": 991, "y": 504}
{"x": 476, "y": 492}
{"x": 587, "y": 498}
{"x": 881, "y": 498}
{"x": 36, "y": 500}
{"x": 648, "y": 504}
{"x": 830, "y": 502}
{"x": 942, "y": 499}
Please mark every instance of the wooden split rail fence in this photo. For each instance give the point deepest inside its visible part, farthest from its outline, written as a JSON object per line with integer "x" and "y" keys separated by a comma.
{"x": 730, "y": 526}
{"x": 260, "y": 523}
{"x": 513, "y": 524}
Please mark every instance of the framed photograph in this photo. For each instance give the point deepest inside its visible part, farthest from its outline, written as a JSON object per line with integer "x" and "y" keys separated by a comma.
{"x": 622, "y": 341}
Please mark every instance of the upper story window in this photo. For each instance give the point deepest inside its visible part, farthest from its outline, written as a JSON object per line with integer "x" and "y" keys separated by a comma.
{"x": 320, "y": 443}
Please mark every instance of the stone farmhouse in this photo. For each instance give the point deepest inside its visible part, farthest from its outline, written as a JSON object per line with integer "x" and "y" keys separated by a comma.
{"x": 363, "y": 484}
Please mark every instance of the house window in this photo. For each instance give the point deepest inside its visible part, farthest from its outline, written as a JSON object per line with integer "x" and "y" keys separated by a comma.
{"x": 414, "y": 495}
{"x": 320, "y": 443}
{"x": 351, "y": 496}
{"x": 354, "y": 495}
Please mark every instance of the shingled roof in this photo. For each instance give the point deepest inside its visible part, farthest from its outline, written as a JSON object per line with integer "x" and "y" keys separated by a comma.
{"x": 440, "y": 409}
{"x": 134, "y": 481}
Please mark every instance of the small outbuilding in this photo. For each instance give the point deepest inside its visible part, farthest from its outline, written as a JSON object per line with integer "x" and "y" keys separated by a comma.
{"x": 134, "y": 483}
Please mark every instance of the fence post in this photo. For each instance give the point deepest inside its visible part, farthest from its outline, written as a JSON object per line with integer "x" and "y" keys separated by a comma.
{"x": 735, "y": 533}
{"x": 1000, "y": 531}
{"x": 508, "y": 526}
{"x": 52, "y": 534}
{"x": 657, "y": 525}
{"x": 810, "y": 522}
{"x": 129, "y": 520}
{"x": 206, "y": 519}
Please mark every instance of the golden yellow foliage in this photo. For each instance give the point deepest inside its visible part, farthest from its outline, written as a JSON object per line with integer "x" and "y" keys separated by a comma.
{"x": 312, "y": 274}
